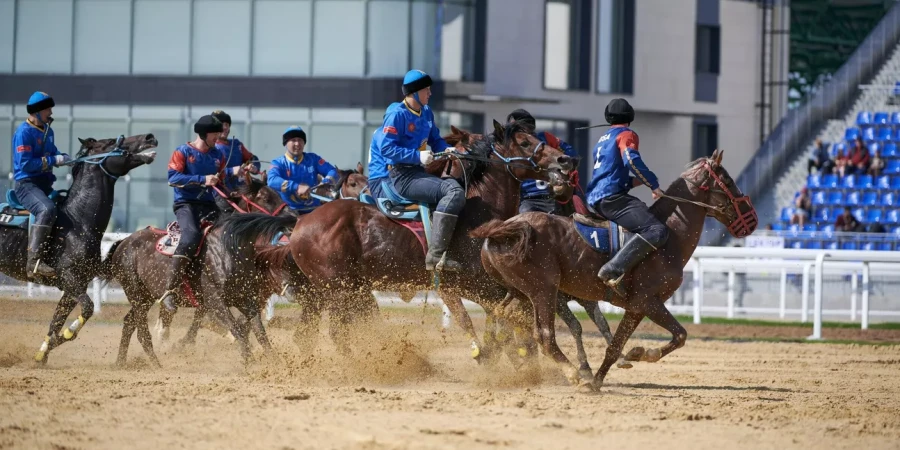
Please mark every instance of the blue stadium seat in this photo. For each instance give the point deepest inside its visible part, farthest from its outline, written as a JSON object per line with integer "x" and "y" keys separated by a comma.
{"x": 895, "y": 183}
{"x": 786, "y": 213}
{"x": 851, "y": 134}
{"x": 868, "y": 246}
{"x": 880, "y": 118}
{"x": 814, "y": 181}
{"x": 897, "y": 134}
{"x": 860, "y": 214}
{"x": 827, "y": 231}
{"x": 897, "y": 88}
{"x": 868, "y": 134}
{"x": 822, "y": 215}
{"x": 889, "y": 150}
{"x": 874, "y": 216}
{"x": 889, "y": 199}
{"x": 818, "y": 198}
{"x": 895, "y": 118}
{"x": 874, "y": 147}
{"x": 836, "y": 198}
{"x": 893, "y": 216}
{"x": 884, "y": 134}
{"x": 896, "y": 232}
{"x": 870, "y": 199}
{"x": 796, "y": 244}
{"x": 885, "y": 247}
{"x": 864, "y": 182}
{"x": 840, "y": 146}
{"x": 815, "y": 245}
{"x": 864, "y": 118}
{"x": 793, "y": 229}
{"x": 777, "y": 226}
{"x": 831, "y": 245}
{"x": 810, "y": 228}
{"x": 829, "y": 181}
{"x": 852, "y": 199}
{"x": 849, "y": 182}
{"x": 849, "y": 246}
{"x": 883, "y": 182}
{"x": 892, "y": 167}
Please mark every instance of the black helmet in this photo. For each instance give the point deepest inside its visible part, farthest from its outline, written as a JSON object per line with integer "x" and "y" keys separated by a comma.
{"x": 618, "y": 111}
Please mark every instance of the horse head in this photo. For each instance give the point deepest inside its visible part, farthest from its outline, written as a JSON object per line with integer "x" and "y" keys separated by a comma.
{"x": 116, "y": 157}
{"x": 726, "y": 202}
{"x": 256, "y": 196}
{"x": 526, "y": 156}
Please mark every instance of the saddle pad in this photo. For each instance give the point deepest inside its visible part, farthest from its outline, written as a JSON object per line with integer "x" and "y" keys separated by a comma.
{"x": 11, "y": 217}
{"x": 172, "y": 235}
{"x": 418, "y": 230}
{"x": 602, "y": 236}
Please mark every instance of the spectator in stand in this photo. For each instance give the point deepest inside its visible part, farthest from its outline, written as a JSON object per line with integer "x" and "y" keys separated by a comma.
{"x": 847, "y": 223}
{"x": 877, "y": 228}
{"x": 840, "y": 164}
{"x": 803, "y": 205}
{"x": 859, "y": 158}
{"x": 877, "y": 164}
{"x": 820, "y": 160}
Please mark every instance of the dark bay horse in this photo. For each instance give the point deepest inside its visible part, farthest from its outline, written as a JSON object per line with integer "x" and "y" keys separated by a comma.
{"x": 537, "y": 255}
{"x": 347, "y": 249}
{"x": 83, "y": 216}
{"x": 223, "y": 279}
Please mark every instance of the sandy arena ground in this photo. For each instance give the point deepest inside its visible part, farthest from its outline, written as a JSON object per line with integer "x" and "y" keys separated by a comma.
{"x": 412, "y": 386}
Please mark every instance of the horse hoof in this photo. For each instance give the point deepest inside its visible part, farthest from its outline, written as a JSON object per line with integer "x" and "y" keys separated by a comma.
{"x": 476, "y": 352}
{"x": 588, "y": 387}
{"x": 624, "y": 364}
{"x": 586, "y": 375}
{"x": 40, "y": 357}
{"x": 635, "y": 354}
{"x": 653, "y": 355}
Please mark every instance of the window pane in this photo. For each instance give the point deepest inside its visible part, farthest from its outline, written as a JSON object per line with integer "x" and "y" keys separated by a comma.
{"x": 341, "y": 145}
{"x": 149, "y": 203}
{"x": 157, "y": 52}
{"x": 170, "y": 135}
{"x": 457, "y": 34}
{"x": 102, "y": 49}
{"x": 7, "y": 19}
{"x": 388, "y": 52}
{"x": 92, "y": 129}
{"x": 605, "y": 36}
{"x": 265, "y": 139}
{"x": 338, "y": 44}
{"x": 221, "y": 37}
{"x": 556, "y": 45}
{"x": 281, "y": 37}
{"x": 424, "y": 23}
{"x": 50, "y": 50}
{"x": 6, "y": 134}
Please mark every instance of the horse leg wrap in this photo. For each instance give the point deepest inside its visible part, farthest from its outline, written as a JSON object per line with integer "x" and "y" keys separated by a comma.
{"x": 42, "y": 352}
{"x": 73, "y": 329}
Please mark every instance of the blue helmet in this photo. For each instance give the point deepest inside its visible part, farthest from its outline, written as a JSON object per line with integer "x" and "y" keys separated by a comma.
{"x": 39, "y": 101}
{"x": 292, "y": 132}
{"x": 415, "y": 81}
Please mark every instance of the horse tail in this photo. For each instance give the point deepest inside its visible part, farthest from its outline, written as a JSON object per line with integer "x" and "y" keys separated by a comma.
{"x": 107, "y": 265}
{"x": 242, "y": 230}
{"x": 273, "y": 260}
{"x": 515, "y": 233}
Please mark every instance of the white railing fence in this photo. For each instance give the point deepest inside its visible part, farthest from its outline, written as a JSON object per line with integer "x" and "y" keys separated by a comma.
{"x": 735, "y": 262}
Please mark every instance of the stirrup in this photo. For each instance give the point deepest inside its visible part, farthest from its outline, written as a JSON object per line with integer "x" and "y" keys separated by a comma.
{"x": 616, "y": 286}
{"x": 172, "y": 292}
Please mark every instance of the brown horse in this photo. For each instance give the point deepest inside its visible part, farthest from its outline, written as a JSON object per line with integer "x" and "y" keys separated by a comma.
{"x": 537, "y": 255}
{"x": 347, "y": 249}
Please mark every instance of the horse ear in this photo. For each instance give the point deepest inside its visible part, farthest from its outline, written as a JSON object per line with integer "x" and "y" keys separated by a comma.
{"x": 248, "y": 178}
{"x": 715, "y": 156}
{"x": 359, "y": 167}
{"x": 83, "y": 142}
{"x": 498, "y": 131}
{"x": 721, "y": 155}
{"x": 264, "y": 177}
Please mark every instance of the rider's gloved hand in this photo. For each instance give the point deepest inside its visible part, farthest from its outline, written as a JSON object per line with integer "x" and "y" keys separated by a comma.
{"x": 62, "y": 158}
{"x": 426, "y": 157}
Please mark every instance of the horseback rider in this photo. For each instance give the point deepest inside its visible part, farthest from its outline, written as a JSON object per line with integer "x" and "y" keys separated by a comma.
{"x": 616, "y": 154}
{"x": 237, "y": 157}
{"x": 297, "y": 171}
{"x": 193, "y": 169}
{"x": 34, "y": 158}
{"x": 397, "y": 156}
{"x": 535, "y": 193}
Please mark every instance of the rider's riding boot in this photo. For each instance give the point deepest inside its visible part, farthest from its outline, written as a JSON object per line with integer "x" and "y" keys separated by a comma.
{"x": 38, "y": 245}
{"x": 180, "y": 264}
{"x": 442, "y": 226}
{"x": 615, "y": 269}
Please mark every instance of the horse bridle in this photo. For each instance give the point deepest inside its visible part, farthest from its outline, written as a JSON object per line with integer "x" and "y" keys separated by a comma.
{"x": 744, "y": 223}
{"x": 250, "y": 203}
{"x": 116, "y": 151}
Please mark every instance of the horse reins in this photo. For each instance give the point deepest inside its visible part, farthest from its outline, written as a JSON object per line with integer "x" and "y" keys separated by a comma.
{"x": 249, "y": 202}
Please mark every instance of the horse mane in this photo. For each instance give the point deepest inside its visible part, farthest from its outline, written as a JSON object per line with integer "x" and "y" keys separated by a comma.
{"x": 85, "y": 151}
{"x": 250, "y": 189}
{"x": 679, "y": 188}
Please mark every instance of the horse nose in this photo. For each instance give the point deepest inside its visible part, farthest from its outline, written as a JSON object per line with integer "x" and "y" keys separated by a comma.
{"x": 565, "y": 162}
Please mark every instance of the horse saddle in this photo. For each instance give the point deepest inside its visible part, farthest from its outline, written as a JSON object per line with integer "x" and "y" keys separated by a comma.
{"x": 172, "y": 235}
{"x": 14, "y": 214}
{"x": 604, "y": 236}
{"x": 414, "y": 216}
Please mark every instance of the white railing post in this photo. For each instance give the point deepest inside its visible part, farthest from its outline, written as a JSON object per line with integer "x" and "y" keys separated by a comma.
{"x": 804, "y": 299}
{"x": 698, "y": 289}
{"x": 96, "y": 296}
{"x": 730, "y": 313}
{"x": 854, "y": 285}
{"x": 782, "y": 304}
{"x": 864, "y": 319}
{"x": 817, "y": 311}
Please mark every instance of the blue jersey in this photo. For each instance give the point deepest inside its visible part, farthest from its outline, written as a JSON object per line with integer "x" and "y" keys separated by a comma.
{"x": 615, "y": 158}
{"x": 538, "y": 188}
{"x": 401, "y": 137}
{"x": 188, "y": 169}
{"x": 35, "y": 153}
{"x": 287, "y": 174}
{"x": 236, "y": 154}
